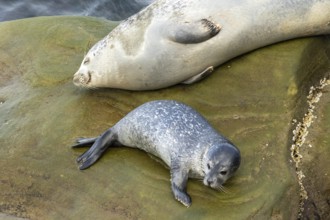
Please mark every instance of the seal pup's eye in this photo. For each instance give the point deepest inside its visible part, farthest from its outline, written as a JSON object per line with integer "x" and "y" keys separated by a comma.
{"x": 208, "y": 166}
{"x": 223, "y": 173}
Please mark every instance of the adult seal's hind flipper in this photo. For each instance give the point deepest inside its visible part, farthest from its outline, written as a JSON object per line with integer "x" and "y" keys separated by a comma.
{"x": 194, "y": 32}
{"x": 100, "y": 145}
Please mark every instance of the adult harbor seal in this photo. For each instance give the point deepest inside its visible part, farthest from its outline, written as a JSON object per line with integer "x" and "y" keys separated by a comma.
{"x": 174, "y": 41}
{"x": 178, "y": 135}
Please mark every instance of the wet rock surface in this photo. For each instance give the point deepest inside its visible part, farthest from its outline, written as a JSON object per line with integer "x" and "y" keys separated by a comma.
{"x": 251, "y": 100}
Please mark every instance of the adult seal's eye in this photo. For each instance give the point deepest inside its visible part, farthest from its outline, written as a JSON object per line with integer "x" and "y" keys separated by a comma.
{"x": 86, "y": 60}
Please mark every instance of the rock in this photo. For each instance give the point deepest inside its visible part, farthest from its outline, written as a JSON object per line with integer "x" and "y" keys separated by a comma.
{"x": 251, "y": 100}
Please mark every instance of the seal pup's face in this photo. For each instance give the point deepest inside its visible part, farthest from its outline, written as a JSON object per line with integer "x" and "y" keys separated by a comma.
{"x": 219, "y": 164}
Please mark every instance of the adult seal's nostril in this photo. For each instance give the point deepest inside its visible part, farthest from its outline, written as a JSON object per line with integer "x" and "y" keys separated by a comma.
{"x": 82, "y": 78}
{"x": 175, "y": 133}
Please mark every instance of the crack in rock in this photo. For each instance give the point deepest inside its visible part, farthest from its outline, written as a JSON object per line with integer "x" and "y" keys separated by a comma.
{"x": 300, "y": 133}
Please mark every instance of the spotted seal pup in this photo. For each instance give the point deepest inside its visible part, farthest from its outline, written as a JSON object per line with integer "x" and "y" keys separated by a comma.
{"x": 181, "y": 41}
{"x": 177, "y": 134}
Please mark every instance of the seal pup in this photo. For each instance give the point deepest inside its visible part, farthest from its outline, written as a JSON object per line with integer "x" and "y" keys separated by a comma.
{"x": 175, "y": 133}
{"x": 181, "y": 41}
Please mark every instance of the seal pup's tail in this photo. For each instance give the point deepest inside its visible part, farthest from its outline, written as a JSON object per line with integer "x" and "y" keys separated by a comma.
{"x": 100, "y": 144}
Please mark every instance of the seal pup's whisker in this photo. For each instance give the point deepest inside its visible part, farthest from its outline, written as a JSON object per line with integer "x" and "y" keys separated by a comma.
{"x": 223, "y": 189}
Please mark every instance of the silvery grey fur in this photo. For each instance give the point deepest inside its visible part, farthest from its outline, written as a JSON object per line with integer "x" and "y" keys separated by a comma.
{"x": 178, "y": 135}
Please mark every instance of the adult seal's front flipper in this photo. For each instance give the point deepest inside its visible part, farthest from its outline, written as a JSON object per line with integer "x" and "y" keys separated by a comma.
{"x": 100, "y": 145}
{"x": 194, "y": 32}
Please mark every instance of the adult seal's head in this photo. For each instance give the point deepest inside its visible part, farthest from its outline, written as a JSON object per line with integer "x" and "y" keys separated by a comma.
{"x": 179, "y": 136}
{"x": 180, "y": 41}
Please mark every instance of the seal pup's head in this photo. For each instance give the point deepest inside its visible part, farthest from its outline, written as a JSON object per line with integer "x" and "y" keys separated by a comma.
{"x": 219, "y": 163}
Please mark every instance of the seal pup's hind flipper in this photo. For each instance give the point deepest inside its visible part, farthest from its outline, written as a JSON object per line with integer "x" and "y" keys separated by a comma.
{"x": 83, "y": 142}
{"x": 194, "y": 32}
{"x": 95, "y": 152}
{"x": 199, "y": 76}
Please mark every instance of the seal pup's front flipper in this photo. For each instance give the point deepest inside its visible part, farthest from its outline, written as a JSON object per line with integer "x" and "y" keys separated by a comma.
{"x": 194, "y": 32}
{"x": 199, "y": 76}
{"x": 95, "y": 152}
{"x": 179, "y": 178}
{"x": 83, "y": 142}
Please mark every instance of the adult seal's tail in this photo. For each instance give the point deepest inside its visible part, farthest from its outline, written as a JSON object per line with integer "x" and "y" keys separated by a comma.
{"x": 181, "y": 41}
{"x": 179, "y": 136}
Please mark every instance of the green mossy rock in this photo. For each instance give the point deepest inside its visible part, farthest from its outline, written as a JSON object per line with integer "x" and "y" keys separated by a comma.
{"x": 251, "y": 100}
